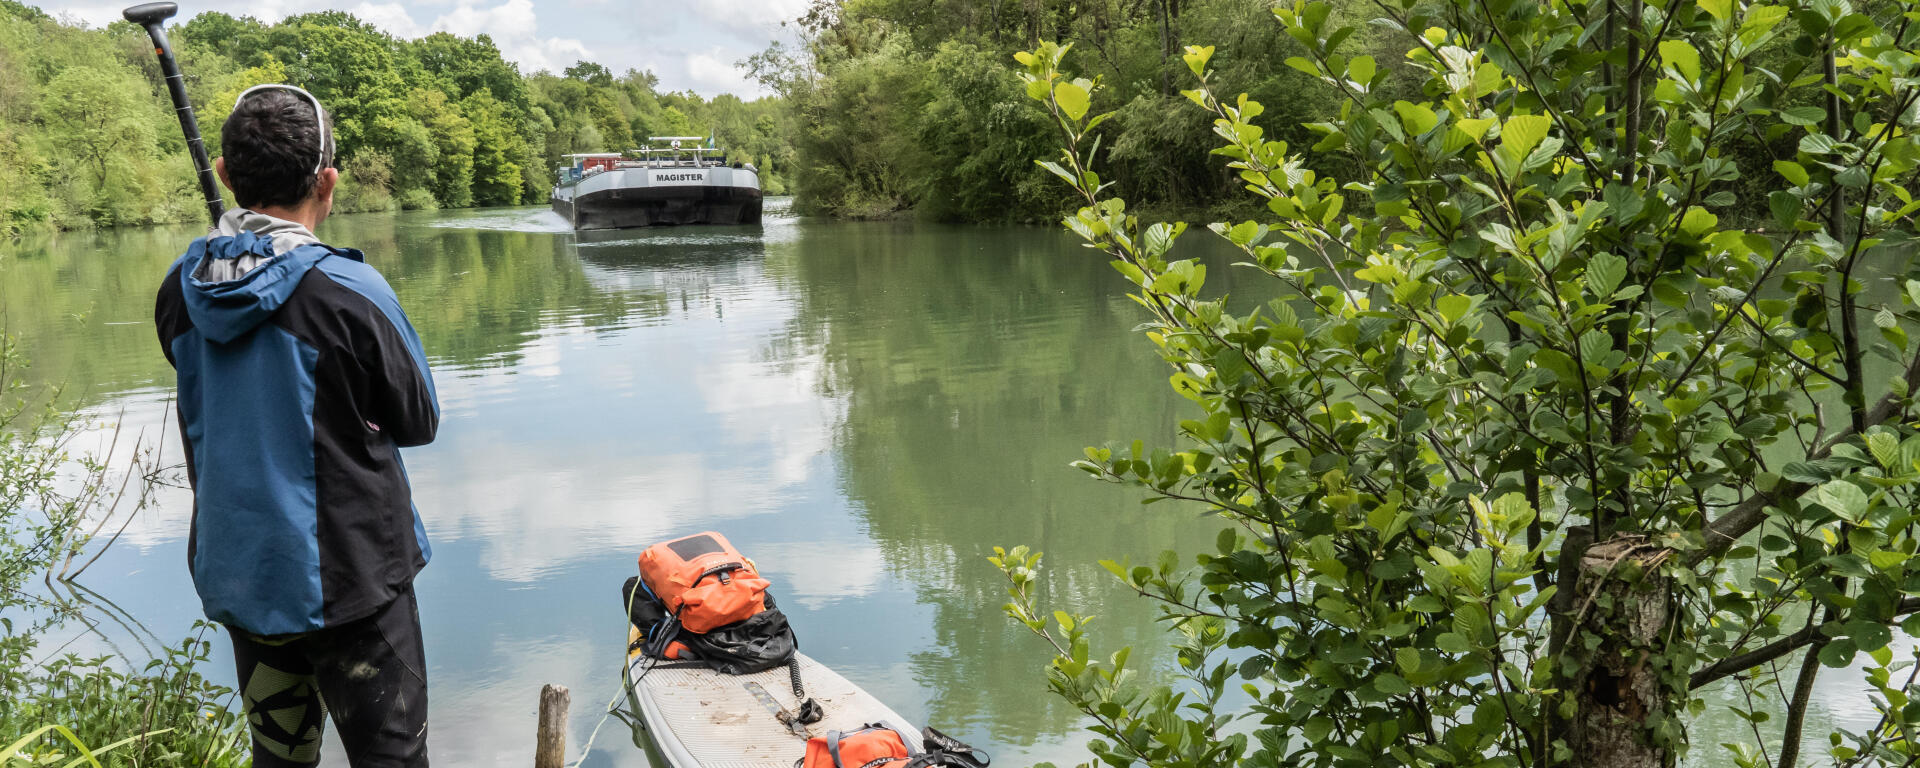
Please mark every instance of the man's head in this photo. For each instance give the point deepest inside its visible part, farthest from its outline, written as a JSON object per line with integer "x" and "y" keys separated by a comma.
{"x": 277, "y": 154}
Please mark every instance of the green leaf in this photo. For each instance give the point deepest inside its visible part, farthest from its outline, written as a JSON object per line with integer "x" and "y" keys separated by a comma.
{"x": 1885, "y": 448}
{"x": 1868, "y": 635}
{"x": 1520, "y": 135}
{"x": 1784, "y": 207}
{"x": 1487, "y": 78}
{"x": 1719, "y": 9}
{"x": 1802, "y": 115}
{"x": 1073, "y": 100}
{"x": 1244, "y": 232}
{"x": 1698, "y": 220}
{"x": 1417, "y": 118}
{"x": 1474, "y": 128}
{"x": 1230, "y": 365}
{"x": 1681, "y": 55}
{"x": 1793, "y": 172}
{"x": 1803, "y": 472}
{"x": 1594, "y": 346}
{"x": 1453, "y": 306}
{"x": 1604, "y": 273}
{"x": 1844, "y": 499}
{"x": 1818, "y": 144}
{"x": 1838, "y": 653}
{"x": 1361, "y": 69}
{"x": 1196, "y": 58}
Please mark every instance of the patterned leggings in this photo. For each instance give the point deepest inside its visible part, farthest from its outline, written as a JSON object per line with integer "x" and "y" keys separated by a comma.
{"x": 370, "y": 675}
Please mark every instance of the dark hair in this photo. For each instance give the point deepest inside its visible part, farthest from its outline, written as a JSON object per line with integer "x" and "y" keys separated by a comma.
{"x": 269, "y": 143}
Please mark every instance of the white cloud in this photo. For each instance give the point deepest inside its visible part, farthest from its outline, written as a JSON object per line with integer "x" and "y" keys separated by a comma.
{"x": 515, "y": 28}
{"x": 514, "y": 24}
{"x": 392, "y": 17}
{"x": 754, "y": 21}
{"x": 691, "y": 46}
{"x": 712, "y": 72}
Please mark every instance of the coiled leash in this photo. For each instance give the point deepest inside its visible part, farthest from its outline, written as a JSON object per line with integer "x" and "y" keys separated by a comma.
{"x": 810, "y": 710}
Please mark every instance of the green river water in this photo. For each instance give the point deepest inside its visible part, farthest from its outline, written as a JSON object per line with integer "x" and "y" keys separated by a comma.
{"x": 867, "y": 409}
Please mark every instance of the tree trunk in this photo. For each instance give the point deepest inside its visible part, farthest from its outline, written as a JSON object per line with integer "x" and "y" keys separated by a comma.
{"x": 1618, "y": 691}
{"x": 1166, "y": 48}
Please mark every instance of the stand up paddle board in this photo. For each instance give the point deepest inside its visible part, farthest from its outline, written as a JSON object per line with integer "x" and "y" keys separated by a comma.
{"x": 698, "y": 718}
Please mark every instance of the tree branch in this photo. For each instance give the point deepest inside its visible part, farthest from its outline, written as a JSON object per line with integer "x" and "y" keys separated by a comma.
{"x": 1737, "y": 522}
{"x": 1777, "y": 649}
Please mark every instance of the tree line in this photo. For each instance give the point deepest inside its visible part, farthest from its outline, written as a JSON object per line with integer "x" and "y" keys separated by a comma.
{"x": 904, "y": 105}
{"x": 913, "y": 105}
{"x": 87, "y": 135}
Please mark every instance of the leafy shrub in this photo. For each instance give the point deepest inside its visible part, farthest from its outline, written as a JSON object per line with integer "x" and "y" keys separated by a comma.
{"x": 1538, "y": 443}
{"x": 157, "y": 712}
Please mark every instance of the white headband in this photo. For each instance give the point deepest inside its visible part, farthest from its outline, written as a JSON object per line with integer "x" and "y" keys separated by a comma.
{"x": 319, "y": 116}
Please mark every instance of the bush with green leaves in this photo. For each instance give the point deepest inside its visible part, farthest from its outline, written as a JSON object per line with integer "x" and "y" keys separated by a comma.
{"x": 58, "y": 708}
{"x": 164, "y": 713}
{"x": 1537, "y": 448}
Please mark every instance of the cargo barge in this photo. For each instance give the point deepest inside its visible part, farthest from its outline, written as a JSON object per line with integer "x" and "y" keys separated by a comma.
{"x": 675, "y": 180}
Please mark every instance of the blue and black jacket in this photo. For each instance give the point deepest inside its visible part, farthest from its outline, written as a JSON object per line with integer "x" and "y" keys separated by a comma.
{"x": 299, "y": 380}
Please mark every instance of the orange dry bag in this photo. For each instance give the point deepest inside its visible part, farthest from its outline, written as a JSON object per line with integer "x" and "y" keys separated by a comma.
{"x": 873, "y": 746}
{"x": 703, "y": 581}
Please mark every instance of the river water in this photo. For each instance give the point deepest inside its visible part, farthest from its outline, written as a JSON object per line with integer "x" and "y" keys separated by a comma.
{"x": 867, "y": 409}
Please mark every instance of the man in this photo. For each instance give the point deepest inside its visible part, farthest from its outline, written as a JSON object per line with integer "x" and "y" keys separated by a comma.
{"x": 299, "y": 379}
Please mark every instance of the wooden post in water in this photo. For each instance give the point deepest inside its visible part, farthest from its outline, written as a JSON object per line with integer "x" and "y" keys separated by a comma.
{"x": 551, "y": 752}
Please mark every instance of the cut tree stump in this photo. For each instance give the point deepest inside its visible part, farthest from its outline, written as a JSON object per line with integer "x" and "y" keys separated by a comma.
{"x": 1624, "y": 599}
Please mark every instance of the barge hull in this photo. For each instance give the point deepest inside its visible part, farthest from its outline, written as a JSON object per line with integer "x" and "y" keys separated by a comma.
{"x": 623, "y": 207}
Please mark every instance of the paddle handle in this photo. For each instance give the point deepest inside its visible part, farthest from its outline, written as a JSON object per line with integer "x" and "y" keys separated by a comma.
{"x": 153, "y": 17}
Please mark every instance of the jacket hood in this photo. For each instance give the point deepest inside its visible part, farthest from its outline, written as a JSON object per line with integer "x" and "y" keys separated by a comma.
{"x": 224, "y": 310}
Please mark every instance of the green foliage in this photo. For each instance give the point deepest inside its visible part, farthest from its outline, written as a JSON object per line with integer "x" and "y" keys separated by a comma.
{"x": 1537, "y": 440}
{"x": 496, "y": 172}
{"x": 454, "y": 146}
{"x": 87, "y": 135}
{"x": 92, "y": 116}
{"x": 162, "y": 713}
{"x": 365, "y": 183}
{"x": 980, "y": 140}
{"x": 904, "y": 105}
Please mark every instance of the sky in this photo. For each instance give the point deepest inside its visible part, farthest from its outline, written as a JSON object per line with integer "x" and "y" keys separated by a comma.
{"x": 689, "y": 45}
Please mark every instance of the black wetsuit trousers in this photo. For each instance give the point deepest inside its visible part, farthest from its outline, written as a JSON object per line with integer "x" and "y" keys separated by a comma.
{"x": 370, "y": 675}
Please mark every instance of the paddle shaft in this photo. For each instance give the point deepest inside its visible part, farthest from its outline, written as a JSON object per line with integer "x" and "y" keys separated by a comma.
{"x": 153, "y": 17}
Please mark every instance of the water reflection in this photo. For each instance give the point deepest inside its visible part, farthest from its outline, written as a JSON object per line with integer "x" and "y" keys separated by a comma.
{"x": 975, "y": 364}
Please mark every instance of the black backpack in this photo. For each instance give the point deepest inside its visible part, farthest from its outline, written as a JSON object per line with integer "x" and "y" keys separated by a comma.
{"x": 755, "y": 644}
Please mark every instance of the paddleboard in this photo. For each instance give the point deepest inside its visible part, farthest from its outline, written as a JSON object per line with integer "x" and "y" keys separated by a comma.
{"x": 698, "y": 718}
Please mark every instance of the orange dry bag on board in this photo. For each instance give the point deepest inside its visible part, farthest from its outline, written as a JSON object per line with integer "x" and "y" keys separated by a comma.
{"x": 703, "y": 581}
{"x": 873, "y": 746}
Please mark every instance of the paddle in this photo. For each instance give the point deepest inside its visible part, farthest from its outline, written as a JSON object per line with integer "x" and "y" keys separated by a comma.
{"x": 152, "y": 16}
